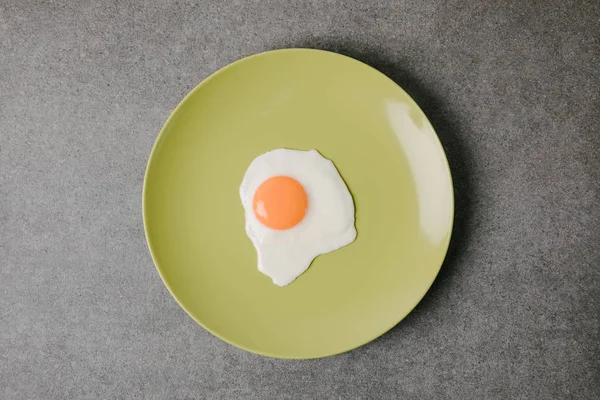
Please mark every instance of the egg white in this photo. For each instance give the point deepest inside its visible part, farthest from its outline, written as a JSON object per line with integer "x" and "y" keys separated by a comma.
{"x": 328, "y": 225}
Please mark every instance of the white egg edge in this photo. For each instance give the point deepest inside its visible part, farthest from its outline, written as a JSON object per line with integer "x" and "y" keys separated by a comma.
{"x": 342, "y": 238}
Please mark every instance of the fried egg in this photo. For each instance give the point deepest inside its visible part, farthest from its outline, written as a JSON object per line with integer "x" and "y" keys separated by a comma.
{"x": 297, "y": 207}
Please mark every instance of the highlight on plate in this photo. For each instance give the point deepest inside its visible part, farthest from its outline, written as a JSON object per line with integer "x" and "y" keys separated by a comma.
{"x": 297, "y": 207}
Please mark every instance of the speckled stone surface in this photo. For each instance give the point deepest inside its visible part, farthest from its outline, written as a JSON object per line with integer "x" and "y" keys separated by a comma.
{"x": 513, "y": 89}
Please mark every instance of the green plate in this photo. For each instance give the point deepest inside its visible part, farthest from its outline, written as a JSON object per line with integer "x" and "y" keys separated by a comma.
{"x": 383, "y": 146}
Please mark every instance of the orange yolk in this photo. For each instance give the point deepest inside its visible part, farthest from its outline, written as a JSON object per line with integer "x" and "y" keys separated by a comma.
{"x": 280, "y": 202}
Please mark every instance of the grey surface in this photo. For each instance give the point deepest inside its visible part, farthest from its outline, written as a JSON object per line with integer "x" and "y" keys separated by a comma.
{"x": 513, "y": 90}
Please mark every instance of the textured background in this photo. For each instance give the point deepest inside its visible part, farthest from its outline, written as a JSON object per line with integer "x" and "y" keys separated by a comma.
{"x": 512, "y": 88}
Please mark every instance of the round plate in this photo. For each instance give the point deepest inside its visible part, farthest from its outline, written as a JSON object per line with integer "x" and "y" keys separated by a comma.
{"x": 383, "y": 146}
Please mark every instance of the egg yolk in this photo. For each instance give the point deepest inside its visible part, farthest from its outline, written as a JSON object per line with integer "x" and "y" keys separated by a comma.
{"x": 280, "y": 202}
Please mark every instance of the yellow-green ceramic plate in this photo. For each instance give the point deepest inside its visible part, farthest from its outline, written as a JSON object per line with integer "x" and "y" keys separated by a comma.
{"x": 383, "y": 146}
